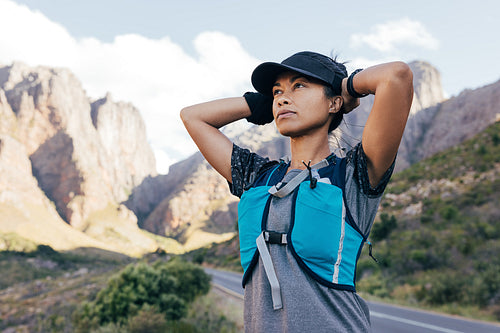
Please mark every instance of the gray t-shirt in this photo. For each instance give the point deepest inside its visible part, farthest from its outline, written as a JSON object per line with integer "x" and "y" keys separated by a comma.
{"x": 308, "y": 306}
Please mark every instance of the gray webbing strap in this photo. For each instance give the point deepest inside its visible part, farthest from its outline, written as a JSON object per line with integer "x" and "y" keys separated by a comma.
{"x": 271, "y": 274}
{"x": 292, "y": 184}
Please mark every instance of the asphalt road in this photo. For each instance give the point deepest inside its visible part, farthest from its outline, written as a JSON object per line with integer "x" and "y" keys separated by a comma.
{"x": 385, "y": 318}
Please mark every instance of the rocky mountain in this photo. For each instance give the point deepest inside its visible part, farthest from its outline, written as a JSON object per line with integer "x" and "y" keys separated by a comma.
{"x": 428, "y": 92}
{"x": 78, "y": 156}
{"x": 200, "y": 199}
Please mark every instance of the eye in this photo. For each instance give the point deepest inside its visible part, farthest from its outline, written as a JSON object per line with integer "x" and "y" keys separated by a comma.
{"x": 298, "y": 85}
{"x": 276, "y": 92}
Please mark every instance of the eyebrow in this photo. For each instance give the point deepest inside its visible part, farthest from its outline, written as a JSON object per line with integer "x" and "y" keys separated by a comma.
{"x": 293, "y": 78}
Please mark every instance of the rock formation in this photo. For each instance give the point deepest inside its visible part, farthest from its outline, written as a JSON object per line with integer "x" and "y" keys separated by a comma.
{"x": 84, "y": 156}
{"x": 122, "y": 134}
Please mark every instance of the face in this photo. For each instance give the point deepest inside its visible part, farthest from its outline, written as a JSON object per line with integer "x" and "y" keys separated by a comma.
{"x": 300, "y": 105}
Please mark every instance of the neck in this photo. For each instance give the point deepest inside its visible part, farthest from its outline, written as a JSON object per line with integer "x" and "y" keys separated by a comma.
{"x": 308, "y": 148}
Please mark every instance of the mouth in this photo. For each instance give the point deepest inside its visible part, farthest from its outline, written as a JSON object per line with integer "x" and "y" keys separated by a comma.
{"x": 284, "y": 114}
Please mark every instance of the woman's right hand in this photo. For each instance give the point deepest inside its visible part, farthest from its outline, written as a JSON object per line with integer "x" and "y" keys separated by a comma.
{"x": 261, "y": 107}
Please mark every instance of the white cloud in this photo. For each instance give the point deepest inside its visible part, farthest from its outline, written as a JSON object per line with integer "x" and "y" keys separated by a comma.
{"x": 156, "y": 75}
{"x": 361, "y": 62}
{"x": 385, "y": 37}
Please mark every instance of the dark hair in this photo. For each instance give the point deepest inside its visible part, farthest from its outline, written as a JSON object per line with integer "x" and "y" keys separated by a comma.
{"x": 339, "y": 115}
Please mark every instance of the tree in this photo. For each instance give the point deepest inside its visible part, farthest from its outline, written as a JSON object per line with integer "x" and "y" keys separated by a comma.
{"x": 167, "y": 288}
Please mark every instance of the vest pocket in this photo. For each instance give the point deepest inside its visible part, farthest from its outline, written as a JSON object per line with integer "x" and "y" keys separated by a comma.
{"x": 250, "y": 212}
{"x": 318, "y": 231}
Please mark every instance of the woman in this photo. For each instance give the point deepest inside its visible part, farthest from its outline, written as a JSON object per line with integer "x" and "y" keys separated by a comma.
{"x": 303, "y": 222}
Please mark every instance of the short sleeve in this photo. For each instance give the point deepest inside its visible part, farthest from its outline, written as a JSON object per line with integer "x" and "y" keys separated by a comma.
{"x": 245, "y": 166}
{"x": 361, "y": 198}
{"x": 359, "y": 161}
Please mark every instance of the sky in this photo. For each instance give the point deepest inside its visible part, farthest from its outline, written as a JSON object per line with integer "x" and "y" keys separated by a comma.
{"x": 162, "y": 55}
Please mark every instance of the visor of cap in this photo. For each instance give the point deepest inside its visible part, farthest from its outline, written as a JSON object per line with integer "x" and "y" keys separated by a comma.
{"x": 264, "y": 76}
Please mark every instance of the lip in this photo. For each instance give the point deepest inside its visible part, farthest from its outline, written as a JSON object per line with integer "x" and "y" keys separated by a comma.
{"x": 285, "y": 113}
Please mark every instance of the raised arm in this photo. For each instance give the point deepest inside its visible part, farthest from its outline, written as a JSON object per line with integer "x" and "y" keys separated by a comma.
{"x": 203, "y": 121}
{"x": 392, "y": 84}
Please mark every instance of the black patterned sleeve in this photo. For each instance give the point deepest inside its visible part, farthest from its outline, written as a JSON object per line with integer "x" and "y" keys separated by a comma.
{"x": 245, "y": 167}
{"x": 358, "y": 158}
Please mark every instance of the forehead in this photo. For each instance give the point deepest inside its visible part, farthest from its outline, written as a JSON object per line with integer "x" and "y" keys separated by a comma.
{"x": 289, "y": 76}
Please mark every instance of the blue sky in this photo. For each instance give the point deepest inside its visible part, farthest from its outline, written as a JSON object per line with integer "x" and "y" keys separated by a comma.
{"x": 162, "y": 55}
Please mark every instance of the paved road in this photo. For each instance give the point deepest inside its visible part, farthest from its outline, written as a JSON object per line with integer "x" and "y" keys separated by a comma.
{"x": 385, "y": 318}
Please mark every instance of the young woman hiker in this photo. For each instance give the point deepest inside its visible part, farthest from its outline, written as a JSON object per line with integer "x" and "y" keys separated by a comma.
{"x": 303, "y": 222}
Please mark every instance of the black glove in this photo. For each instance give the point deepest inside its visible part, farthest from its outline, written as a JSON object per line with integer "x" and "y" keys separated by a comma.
{"x": 261, "y": 107}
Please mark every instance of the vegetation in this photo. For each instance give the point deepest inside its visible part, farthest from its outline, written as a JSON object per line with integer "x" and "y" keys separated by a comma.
{"x": 161, "y": 288}
{"x": 445, "y": 252}
{"x": 23, "y": 261}
{"x": 97, "y": 291}
{"x": 224, "y": 255}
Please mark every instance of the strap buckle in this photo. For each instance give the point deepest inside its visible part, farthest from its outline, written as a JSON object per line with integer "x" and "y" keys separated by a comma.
{"x": 273, "y": 237}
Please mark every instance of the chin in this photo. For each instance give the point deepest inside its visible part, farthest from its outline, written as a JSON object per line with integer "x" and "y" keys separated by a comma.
{"x": 290, "y": 132}
{"x": 296, "y": 131}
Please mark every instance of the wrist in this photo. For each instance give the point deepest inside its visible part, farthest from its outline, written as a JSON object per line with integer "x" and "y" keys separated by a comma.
{"x": 350, "y": 85}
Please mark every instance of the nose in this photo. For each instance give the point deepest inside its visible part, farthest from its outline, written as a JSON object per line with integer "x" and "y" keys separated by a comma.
{"x": 282, "y": 100}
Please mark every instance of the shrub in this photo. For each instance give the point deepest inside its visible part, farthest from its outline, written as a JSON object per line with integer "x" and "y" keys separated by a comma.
{"x": 384, "y": 228}
{"x": 206, "y": 316}
{"x": 148, "y": 320}
{"x": 165, "y": 288}
{"x": 449, "y": 212}
{"x": 374, "y": 284}
{"x": 443, "y": 287}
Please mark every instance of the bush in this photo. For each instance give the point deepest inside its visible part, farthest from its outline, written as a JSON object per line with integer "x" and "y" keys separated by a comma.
{"x": 206, "y": 316}
{"x": 449, "y": 212}
{"x": 147, "y": 320}
{"x": 443, "y": 287}
{"x": 384, "y": 228}
{"x": 165, "y": 288}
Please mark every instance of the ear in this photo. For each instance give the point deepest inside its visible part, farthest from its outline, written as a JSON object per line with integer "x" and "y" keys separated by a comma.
{"x": 336, "y": 104}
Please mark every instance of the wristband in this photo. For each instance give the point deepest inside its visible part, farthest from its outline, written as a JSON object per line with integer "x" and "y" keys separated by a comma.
{"x": 350, "y": 88}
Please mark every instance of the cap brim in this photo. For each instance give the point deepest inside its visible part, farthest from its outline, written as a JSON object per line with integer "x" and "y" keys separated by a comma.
{"x": 264, "y": 76}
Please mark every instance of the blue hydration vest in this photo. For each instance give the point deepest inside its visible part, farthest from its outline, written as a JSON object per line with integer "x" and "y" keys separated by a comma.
{"x": 322, "y": 236}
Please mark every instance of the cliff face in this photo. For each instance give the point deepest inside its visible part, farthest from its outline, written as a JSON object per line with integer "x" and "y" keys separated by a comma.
{"x": 459, "y": 119}
{"x": 83, "y": 156}
{"x": 122, "y": 134}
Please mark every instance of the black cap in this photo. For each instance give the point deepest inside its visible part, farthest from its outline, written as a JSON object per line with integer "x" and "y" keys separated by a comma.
{"x": 311, "y": 64}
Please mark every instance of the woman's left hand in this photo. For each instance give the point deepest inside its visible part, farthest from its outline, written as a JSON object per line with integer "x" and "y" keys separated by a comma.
{"x": 349, "y": 102}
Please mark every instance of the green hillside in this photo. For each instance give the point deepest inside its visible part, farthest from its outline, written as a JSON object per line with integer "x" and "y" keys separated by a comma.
{"x": 437, "y": 234}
